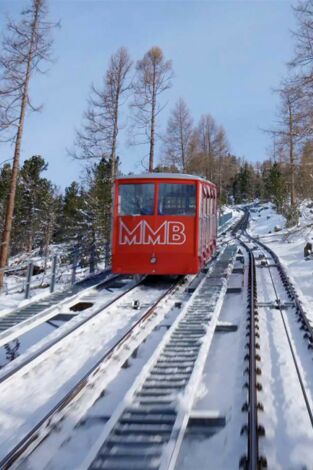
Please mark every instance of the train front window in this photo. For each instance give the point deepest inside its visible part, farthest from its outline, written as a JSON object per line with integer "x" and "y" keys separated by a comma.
{"x": 177, "y": 199}
{"x": 136, "y": 199}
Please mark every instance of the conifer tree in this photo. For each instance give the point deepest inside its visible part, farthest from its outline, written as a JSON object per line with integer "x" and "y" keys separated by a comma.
{"x": 275, "y": 186}
{"x": 72, "y": 218}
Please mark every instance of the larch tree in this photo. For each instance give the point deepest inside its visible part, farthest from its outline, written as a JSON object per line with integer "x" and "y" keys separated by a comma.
{"x": 25, "y": 47}
{"x": 305, "y": 172}
{"x": 178, "y": 136}
{"x": 208, "y": 148}
{"x": 98, "y": 137}
{"x": 207, "y": 131}
{"x": 289, "y": 131}
{"x": 153, "y": 77}
{"x": 302, "y": 61}
{"x": 220, "y": 152}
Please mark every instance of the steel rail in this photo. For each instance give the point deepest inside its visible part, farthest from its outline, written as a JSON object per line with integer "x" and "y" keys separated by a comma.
{"x": 253, "y": 448}
{"x": 252, "y": 461}
{"x": 33, "y": 434}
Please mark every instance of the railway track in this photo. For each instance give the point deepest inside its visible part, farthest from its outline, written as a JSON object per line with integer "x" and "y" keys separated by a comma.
{"x": 148, "y": 428}
{"x": 173, "y": 374}
{"x": 21, "y": 321}
{"x": 43, "y": 307}
{"x": 39, "y": 431}
{"x": 274, "y": 317}
{"x": 27, "y": 358}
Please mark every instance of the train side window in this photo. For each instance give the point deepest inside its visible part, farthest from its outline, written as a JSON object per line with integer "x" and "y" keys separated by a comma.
{"x": 136, "y": 199}
{"x": 204, "y": 200}
{"x": 177, "y": 199}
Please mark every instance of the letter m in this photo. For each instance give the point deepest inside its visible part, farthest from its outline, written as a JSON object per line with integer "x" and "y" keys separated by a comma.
{"x": 130, "y": 236}
{"x": 154, "y": 237}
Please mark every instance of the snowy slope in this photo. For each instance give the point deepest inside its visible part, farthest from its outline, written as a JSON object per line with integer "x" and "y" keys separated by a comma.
{"x": 288, "y": 244}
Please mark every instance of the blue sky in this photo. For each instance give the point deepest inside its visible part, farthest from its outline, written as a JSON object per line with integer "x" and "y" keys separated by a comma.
{"x": 227, "y": 58}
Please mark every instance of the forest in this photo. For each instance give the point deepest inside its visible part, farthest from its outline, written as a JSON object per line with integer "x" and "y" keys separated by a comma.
{"x": 35, "y": 213}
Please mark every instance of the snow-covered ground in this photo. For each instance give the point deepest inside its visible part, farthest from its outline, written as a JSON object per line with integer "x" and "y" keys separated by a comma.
{"x": 13, "y": 294}
{"x": 221, "y": 392}
{"x": 26, "y": 396}
{"x": 221, "y": 388}
{"x": 288, "y": 441}
{"x": 288, "y": 244}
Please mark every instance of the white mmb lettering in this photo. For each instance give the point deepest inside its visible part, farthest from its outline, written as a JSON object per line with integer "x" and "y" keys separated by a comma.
{"x": 168, "y": 233}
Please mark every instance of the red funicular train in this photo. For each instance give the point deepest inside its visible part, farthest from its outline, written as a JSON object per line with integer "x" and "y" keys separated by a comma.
{"x": 163, "y": 224}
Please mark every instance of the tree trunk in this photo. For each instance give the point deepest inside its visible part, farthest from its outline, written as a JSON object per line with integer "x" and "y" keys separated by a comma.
{"x": 113, "y": 163}
{"x": 151, "y": 154}
{"x": 291, "y": 159}
{"x": 182, "y": 148}
{"x": 6, "y": 236}
{"x": 219, "y": 178}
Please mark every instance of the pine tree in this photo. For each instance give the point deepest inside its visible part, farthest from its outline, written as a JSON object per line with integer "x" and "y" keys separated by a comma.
{"x": 275, "y": 186}
{"x": 243, "y": 184}
{"x": 5, "y": 178}
{"x": 72, "y": 218}
{"x": 36, "y": 207}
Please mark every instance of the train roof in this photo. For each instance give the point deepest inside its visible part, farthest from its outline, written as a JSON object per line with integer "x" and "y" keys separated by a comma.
{"x": 175, "y": 176}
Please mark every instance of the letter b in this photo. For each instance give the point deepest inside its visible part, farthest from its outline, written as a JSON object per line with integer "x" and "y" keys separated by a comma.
{"x": 176, "y": 233}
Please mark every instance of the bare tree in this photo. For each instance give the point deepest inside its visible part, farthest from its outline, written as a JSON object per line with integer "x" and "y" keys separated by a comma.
{"x": 305, "y": 172}
{"x": 303, "y": 35}
{"x": 221, "y": 150}
{"x": 98, "y": 137}
{"x": 153, "y": 77}
{"x": 101, "y": 122}
{"x": 290, "y": 130}
{"x": 302, "y": 65}
{"x": 207, "y": 130}
{"x": 209, "y": 147}
{"x": 178, "y": 135}
{"x": 25, "y": 47}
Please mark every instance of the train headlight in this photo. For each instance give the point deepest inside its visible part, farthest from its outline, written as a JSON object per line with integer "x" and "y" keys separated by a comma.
{"x": 153, "y": 260}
